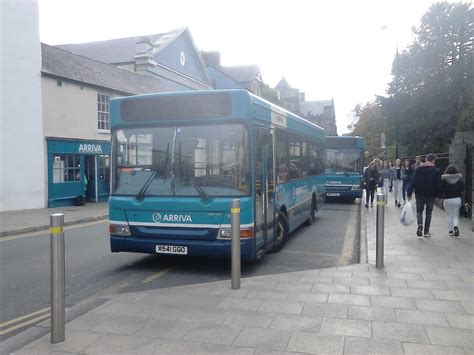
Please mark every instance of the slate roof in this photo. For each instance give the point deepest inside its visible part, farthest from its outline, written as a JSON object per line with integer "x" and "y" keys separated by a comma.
{"x": 64, "y": 64}
{"x": 241, "y": 73}
{"x": 315, "y": 107}
{"x": 120, "y": 50}
{"x": 283, "y": 85}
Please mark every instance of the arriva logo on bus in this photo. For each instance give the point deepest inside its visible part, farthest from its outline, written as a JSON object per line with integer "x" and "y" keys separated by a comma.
{"x": 158, "y": 218}
{"x": 90, "y": 148}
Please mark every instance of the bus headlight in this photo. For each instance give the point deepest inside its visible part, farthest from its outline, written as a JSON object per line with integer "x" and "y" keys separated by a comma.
{"x": 119, "y": 229}
{"x": 245, "y": 233}
{"x": 355, "y": 187}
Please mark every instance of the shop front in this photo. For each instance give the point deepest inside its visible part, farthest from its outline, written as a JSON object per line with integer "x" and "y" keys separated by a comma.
{"x": 77, "y": 170}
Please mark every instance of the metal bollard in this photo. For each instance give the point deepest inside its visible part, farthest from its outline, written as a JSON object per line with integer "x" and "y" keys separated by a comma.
{"x": 380, "y": 230}
{"x": 235, "y": 226}
{"x": 58, "y": 272}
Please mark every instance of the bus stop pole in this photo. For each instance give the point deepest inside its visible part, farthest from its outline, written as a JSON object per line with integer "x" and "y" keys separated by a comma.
{"x": 235, "y": 226}
{"x": 380, "y": 230}
{"x": 58, "y": 303}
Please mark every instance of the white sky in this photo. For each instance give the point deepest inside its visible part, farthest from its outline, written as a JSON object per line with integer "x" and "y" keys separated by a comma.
{"x": 327, "y": 49}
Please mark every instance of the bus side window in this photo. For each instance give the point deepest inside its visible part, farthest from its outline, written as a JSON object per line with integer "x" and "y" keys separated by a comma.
{"x": 282, "y": 171}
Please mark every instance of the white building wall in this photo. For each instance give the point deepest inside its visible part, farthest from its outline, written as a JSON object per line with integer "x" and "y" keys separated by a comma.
{"x": 22, "y": 148}
{"x": 70, "y": 110}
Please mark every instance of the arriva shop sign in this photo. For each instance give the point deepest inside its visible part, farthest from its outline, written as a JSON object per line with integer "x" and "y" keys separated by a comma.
{"x": 90, "y": 148}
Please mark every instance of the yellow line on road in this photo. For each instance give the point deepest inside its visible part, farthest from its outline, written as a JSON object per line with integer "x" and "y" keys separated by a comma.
{"x": 24, "y": 324}
{"x": 24, "y": 317}
{"x": 46, "y": 231}
{"x": 155, "y": 276}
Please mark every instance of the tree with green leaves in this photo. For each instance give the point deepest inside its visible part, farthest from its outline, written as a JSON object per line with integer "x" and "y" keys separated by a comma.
{"x": 432, "y": 91}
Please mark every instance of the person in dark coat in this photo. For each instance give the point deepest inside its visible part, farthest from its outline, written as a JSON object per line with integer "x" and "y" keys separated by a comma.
{"x": 408, "y": 172}
{"x": 426, "y": 182}
{"x": 452, "y": 189}
{"x": 371, "y": 179}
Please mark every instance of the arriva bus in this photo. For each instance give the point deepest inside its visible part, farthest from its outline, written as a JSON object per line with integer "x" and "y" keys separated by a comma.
{"x": 344, "y": 166}
{"x": 178, "y": 159}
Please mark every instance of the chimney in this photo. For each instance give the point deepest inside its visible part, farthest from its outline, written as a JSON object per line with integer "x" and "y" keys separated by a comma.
{"x": 212, "y": 59}
{"x": 143, "y": 50}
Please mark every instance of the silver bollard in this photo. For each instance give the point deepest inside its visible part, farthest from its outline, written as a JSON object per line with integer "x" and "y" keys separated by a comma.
{"x": 235, "y": 226}
{"x": 380, "y": 230}
{"x": 58, "y": 272}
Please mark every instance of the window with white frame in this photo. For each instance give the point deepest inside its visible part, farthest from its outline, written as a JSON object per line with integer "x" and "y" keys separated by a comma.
{"x": 103, "y": 113}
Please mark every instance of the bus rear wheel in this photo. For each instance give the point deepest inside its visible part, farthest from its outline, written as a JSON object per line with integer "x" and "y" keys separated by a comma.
{"x": 281, "y": 232}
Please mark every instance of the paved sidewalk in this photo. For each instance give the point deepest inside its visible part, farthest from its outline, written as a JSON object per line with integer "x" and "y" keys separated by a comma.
{"x": 24, "y": 221}
{"x": 421, "y": 302}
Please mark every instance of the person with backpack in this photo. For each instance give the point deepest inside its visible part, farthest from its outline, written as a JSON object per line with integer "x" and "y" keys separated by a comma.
{"x": 426, "y": 183}
{"x": 452, "y": 189}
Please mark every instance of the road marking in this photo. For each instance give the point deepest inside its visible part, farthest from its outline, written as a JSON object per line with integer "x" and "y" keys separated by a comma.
{"x": 24, "y": 324}
{"x": 349, "y": 238}
{"x": 25, "y": 316}
{"x": 155, "y": 276}
{"x": 46, "y": 231}
{"x": 112, "y": 290}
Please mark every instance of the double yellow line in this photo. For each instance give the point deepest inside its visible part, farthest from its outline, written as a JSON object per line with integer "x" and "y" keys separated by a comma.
{"x": 25, "y": 320}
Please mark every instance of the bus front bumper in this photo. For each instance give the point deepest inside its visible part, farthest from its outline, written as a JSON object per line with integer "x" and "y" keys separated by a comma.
{"x": 207, "y": 248}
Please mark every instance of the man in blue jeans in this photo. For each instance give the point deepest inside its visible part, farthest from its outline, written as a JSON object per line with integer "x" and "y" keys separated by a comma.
{"x": 426, "y": 182}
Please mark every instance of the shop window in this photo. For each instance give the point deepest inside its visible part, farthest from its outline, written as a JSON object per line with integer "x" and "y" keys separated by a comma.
{"x": 66, "y": 168}
{"x": 103, "y": 112}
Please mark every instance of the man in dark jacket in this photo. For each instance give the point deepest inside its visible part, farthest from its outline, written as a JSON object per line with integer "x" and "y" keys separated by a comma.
{"x": 426, "y": 182}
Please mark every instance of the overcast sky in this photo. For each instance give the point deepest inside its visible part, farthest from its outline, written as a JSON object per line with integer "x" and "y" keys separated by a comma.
{"x": 328, "y": 49}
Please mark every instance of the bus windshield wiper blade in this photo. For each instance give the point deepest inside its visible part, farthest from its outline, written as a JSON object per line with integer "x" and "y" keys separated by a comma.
{"x": 194, "y": 180}
{"x": 141, "y": 193}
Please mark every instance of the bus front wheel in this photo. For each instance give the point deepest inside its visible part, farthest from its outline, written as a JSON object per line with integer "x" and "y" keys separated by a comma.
{"x": 312, "y": 215}
{"x": 281, "y": 232}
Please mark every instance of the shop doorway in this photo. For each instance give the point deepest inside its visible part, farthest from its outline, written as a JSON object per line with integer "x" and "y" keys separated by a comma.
{"x": 90, "y": 172}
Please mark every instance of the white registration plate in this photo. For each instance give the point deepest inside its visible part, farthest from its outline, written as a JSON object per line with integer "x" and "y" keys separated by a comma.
{"x": 334, "y": 194}
{"x": 171, "y": 249}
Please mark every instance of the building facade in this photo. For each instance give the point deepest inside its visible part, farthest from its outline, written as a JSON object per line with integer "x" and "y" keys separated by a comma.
{"x": 22, "y": 147}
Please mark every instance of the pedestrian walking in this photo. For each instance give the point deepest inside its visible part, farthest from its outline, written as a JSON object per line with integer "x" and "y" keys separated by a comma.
{"x": 407, "y": 172}
{"x": 452, "y": 190}
{"x": 386, "y": 179}
{"x": 426, "y": 182}
{"x": 398, "y": 174}
{"x": 417, "y": 162}
{"x": 371, "y": 178}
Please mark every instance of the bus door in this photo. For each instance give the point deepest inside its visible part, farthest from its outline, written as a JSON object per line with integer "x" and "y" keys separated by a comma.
{"x": 264, "y": 188}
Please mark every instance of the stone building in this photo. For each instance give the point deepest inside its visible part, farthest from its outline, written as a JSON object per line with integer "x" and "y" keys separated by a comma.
{"x": 321, "y": 113}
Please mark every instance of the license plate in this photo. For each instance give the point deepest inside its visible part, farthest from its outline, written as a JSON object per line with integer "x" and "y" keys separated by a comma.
{"x": 333, "y": 194}
{"x": 171, "y": 249}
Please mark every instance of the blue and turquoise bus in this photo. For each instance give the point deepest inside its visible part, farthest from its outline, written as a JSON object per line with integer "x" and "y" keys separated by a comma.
{"x": 178, "y": 159}
{"x": 344, "y": 166}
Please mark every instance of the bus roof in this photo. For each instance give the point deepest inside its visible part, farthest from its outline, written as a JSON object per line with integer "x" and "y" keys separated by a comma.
{"x": 205, "y": 105}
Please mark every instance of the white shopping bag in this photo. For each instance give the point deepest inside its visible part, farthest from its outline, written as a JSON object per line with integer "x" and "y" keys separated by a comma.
{"x": 407, "y": 214}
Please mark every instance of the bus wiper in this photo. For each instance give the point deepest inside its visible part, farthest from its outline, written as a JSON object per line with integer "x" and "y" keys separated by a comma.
{"x": 141, "y": 193}
{"x": 194, "y": 180}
